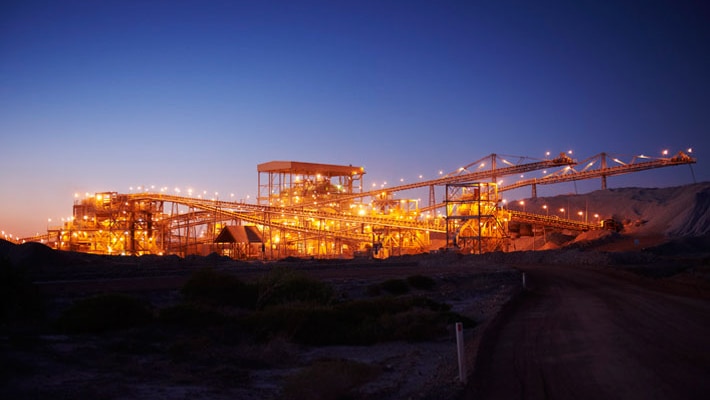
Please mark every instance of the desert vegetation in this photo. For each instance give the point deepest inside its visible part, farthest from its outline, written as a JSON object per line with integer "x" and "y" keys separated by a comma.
{"x": 226, "y": 328}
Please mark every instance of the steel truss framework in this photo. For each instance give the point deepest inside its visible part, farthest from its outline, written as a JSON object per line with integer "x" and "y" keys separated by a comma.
{"x": 474, "y": 222}
{"x": 318, "y": 210}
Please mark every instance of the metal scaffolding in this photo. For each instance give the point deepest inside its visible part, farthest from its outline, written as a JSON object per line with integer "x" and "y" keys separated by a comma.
{"x": 320, "y": 210}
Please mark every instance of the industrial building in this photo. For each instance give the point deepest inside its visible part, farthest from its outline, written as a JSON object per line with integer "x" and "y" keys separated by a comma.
{"x": 316, "y": 210}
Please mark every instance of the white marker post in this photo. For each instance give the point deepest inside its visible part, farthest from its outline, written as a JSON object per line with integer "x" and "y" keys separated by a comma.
{"x": 459, "y": 348}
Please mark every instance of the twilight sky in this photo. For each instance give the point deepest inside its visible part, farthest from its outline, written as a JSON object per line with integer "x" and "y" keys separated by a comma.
{"x": 108, "y": 95}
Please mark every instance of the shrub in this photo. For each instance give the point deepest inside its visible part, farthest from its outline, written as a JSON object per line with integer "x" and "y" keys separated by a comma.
{"x": 284, "y": 286}
{"x": 328, "y": 380}
{"x": 20, "y": 299}
{"x": 360, "y": 322}
{"x": 395, "y": 286}
{"x": 190, "y": 348}
{"x": 415, "y": 325}
{"x": 427, "y": 303}
{"x": 218, "y": 288}
{"x": 421, "y": 282}
{"x": 373, "y": 290}
{"x": 104, "y": 313}
{"x": 190, "y": 315}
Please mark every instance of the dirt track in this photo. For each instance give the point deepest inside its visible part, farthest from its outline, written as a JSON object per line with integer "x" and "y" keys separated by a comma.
{"x": 583, "y": 334}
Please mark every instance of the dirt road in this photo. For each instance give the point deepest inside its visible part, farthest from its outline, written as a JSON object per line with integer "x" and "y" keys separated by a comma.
{"x": 584, "y": 334}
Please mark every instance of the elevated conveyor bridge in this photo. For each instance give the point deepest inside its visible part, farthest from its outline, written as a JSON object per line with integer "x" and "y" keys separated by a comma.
{"x": 150, "y": 223}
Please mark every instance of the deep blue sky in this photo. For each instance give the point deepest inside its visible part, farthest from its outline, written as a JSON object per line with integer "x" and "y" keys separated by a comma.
{"x": 105, "y": 95}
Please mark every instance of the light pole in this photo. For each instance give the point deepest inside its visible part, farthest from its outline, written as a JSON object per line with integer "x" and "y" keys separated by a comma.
{"x": 547, "y": 210}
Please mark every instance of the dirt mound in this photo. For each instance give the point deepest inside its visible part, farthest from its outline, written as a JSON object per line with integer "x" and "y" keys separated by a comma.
{"x": 558, "y": 238}
{"x": 697, "y": 222}
{"x": 686, "y": 246}
{"x": 674, "y": 211}
{"x": 28, "y": 254}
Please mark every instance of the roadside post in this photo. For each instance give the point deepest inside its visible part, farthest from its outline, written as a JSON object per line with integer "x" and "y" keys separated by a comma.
{"x": 459, "y": 348}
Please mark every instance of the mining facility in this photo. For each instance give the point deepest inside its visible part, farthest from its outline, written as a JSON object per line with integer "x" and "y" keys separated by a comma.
{"x": 323, "y": 211}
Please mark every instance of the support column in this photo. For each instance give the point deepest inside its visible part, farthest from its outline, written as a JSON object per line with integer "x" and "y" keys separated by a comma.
{"x": 603, "y": 167}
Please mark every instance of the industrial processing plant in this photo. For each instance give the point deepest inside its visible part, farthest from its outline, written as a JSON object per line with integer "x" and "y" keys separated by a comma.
{"x": 316, "y": 210}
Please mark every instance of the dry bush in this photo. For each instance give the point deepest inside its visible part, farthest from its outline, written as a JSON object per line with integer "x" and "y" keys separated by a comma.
{"x": 191, "y": 315}
{"x": 358, "y": 322}
{"x": 329, "y": 380}
{"x": 104, "y": 313}
{"x": 209, "y": 286}
{"x": 395, "y": 286}
{"x": 421, "y": 282}
{"x": 20, "y": 299}
{"x": 283, "y": 286}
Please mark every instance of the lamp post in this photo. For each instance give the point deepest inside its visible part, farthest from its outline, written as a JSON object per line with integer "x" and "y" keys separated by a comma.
{"x": 547, "y": 210}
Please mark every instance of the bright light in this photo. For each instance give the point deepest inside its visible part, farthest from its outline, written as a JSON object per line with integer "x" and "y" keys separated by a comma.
{"x": 665, "y": 152}
{"x": 569, "y": 151}
{"x": 690, "y": 149}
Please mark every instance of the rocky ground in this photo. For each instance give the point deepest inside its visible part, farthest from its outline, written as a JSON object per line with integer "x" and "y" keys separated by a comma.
{"x": 41, "y": 362}
{"x": 663, "y": 247}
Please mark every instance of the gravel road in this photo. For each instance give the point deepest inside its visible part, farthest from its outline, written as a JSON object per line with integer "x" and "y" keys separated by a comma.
{"x": 589, "y": 334}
